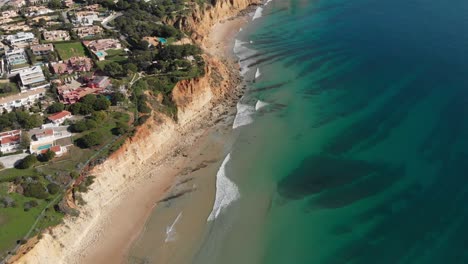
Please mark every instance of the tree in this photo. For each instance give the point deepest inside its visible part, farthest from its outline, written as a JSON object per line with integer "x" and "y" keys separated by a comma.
{"x": 79, "y": 126}
{"x": 89, "y": 99}
{"x": 131, "y": 68}
{"x": 27, "y": 162}
{"x": 90, "y": 140}
{"x": 91, "y": 124}
{"x": 101, "y": 103}
{"x": 99, "y": 116}
{"x": 75, "y": 108}
{"x": 47, "y": 156}
{"x": 113, "y": 69}
{"x": 25, "y": 140}
{"x": 55, "y": 108}
{"x": 117, "y": 97}
{"x": 86, "y": 109}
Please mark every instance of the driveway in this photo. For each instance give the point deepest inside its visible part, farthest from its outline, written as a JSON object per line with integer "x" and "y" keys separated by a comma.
{"x": 9, "y": 161}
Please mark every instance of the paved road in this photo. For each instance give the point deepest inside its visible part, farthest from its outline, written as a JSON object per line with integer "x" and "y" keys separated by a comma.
{"x": 9, "y": 161}
{"x": 109, "y": 19}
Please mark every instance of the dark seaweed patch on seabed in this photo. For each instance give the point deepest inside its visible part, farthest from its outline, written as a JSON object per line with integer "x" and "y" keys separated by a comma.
{"x": 317, "y": 174}
{"x": 379, "y": 181}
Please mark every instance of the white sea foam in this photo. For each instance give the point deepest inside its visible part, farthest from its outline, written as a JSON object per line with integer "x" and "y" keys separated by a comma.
{"x": 258, "y": 13}
{"x": 243, "y": 53}
{"x": 258, "y": 73}
{"x": 267, "y": 2}
{"x": 226, "y": 191}
{"x": 171, "y": 234}
{"x": 260, "y": 104}
{"x": 243, "y": 116}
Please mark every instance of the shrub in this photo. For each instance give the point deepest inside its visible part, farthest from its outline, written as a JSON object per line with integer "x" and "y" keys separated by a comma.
{"x": 36, "y": 190}
{"x": 53, "y": 188}
{"x": 120, "y": 129}
{"x": 30, "y": 204}
{"x": 27, "y": 162}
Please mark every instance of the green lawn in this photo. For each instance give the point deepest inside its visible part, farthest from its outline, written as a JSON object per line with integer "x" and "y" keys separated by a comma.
{"x": 15, "y": 222}
{"x": 116, "y": 55}
{"x": 68, "y": 50}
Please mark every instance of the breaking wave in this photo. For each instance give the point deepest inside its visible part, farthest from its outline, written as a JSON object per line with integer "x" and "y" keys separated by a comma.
{"x": 260, "y": 104}
{"x": 244, "y": 115}
{"x": 226, "y": 191}
{"x": 258, "y": 13}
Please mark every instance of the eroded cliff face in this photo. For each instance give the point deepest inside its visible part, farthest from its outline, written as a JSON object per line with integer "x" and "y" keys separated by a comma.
{"x": 152, "y": 142}
{"x": 199, "y": 23}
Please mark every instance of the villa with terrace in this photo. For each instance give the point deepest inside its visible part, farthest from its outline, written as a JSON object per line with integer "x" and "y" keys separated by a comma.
{"x": 99, "y": 47}
{"x": 42, "y": 49}
{"x": 88, "y": 32}
{"x": 56, "y": 139}
{"x": 32, "y": 78}
{"x": 21, "y": 39}
{"x": 16, "y": 59}
{"x": 56, "y": 35}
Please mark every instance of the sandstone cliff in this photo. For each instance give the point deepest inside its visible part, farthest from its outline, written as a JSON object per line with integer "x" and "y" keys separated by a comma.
{"x": 199, "y": 23}
{"x": 152, "y": 143}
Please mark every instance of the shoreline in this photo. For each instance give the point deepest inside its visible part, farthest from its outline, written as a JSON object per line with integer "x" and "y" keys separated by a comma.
{"x": 100, "y": 233}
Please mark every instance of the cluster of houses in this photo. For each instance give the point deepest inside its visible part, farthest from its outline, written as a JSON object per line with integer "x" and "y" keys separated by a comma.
{"x": 31, "y": 58}
{"x": 50, "y": 136}
{"x": 28, "y": 57}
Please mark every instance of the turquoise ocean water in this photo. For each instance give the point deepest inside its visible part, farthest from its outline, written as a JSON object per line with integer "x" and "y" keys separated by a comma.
{"x": 352, "y": 143}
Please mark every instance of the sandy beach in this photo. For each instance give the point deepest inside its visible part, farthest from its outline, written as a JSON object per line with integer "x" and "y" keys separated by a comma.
{"x": 122, "y": 199}
{"x": 202, "y": 158}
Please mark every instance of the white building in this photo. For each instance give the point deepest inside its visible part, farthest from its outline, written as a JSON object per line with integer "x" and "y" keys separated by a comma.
{"x": 42, "y": 49}
{"x": 21, "y": 39}
{"x": 26, "y": 99}
{"x": 16, "y": 56}
{"x": 10, "y": 141}
{"x": 32, "y": 78}
{"x": 86, "y": 18}
{"x": 44, "y": 139}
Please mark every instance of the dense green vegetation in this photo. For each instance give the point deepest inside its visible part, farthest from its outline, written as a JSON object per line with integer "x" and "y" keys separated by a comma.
{"x": 19, "y": 119}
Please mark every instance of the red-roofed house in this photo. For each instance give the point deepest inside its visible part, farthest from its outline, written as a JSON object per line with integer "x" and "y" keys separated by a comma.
{"x": 74, "y": 64}
{"x": 10, "y": 141}
{"x": 68, "y": 95}
{"x": 60, "y": 117}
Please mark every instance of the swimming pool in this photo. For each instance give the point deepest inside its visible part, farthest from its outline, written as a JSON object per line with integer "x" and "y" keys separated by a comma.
{"x": 44, "y": 147}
